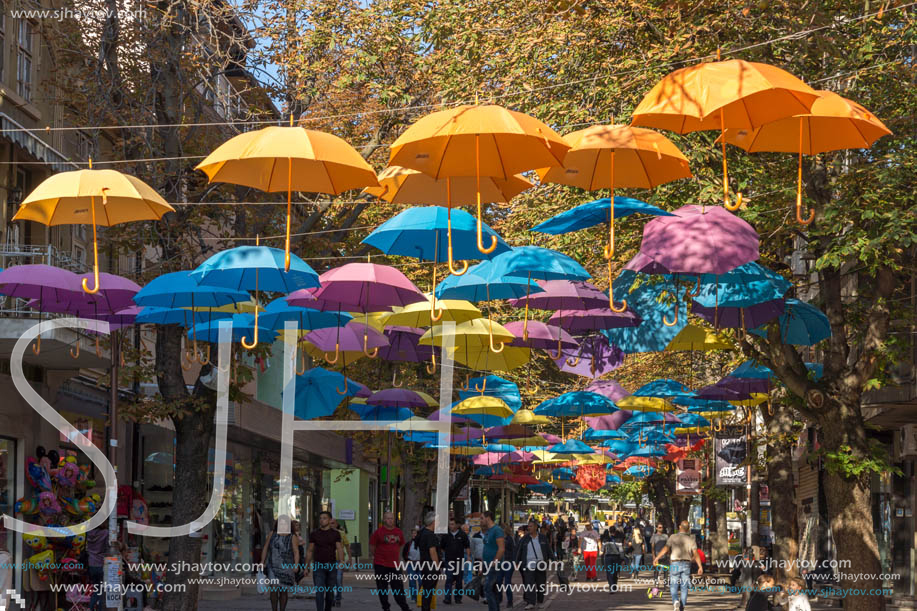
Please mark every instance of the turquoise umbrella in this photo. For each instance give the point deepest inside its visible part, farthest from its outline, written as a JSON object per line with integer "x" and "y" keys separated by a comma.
{"x": 248, "y": 268}
{"x": 593, "y": 434}
{"x": 177, "y": 316}
{"x": 381, "y": 412}
{"x": 180, "y": 290}
{"x": 278, "y": 312}
{"x": 611, "y": 478}
{"x": 640, "y": 471}
{"x": 571, "y": 446}
{"x": 538, "y": 263}
{"x": 317, "y": 392}
{"x": 562, "y": 473}
{"x": 650, "y": 451}
{"x": 243, "y": 325}
{"x": 747, "y": 285}
{"x": 493, "y": 386}
{"x": 664, "y": 389}
{"x": 595, "y": 213}
{"x": 646, "y": 299}
{"x": 576, "y": 404}
{"x": 621, "y": 447}
{"x": 484, "y": 282}
{"x": 749, "y": 369}
{"x": 801, "y": 324}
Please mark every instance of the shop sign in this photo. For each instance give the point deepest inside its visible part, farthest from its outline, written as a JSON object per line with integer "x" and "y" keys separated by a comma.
{"x": 730, "y": 449}
{"x": 112, "y": 582}
{"x": 687, "y": 477}
{"x": 347, "y": 514}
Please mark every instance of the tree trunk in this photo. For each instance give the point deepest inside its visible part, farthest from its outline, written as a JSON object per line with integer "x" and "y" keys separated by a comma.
{"x": 415, "y": 494}
{"x": 782, "y": 487}
{"x": 720, "y": 539}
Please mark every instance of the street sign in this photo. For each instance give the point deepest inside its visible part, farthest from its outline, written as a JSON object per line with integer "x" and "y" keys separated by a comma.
{"x": 112, "y": 573}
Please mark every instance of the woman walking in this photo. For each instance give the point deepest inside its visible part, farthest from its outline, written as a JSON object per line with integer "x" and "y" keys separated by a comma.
{"x": 280, "y": 557}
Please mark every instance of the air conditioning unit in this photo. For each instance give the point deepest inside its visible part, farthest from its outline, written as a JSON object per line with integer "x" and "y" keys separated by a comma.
{"x": 906, "y": 442}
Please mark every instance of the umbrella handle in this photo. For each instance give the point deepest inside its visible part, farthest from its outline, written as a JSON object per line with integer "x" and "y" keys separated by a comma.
{"x": 799, "y": 218}
{"x": 482, "y": 388}
{"x": 205, "y": 360}
{"x": 477, "y": 167}
{"x": 337, "y": 355}
{"x": 611, "y": 297}
{"x": 493, "y": 348}
{"x": 433, "y": 315}
{"x": 452, "y": 269}
{"x": 556, "y": 356}
{"x": 575, "y": 361}
{"x": 718, "y": 425}
{"x": 95, "y": 246}
{"x": 339, "y": 391}
{"x": 302, "y": 359}
{"x": 394, "y": 376}
{"x": 98, "y": 348}
{"x": 665, "y": 319}
{"x": 190, "y": 360}
{"x": 726, "y": 203}
{"x": 76, "y": 354}
{"x": 36, "y": 347}
{"x": 692, "y": 293}
{"x": 254, "y": 343}
{"x": 770, "y": 407}
{"x": 467, "y": 379}
{"x": 431, "y": 366}
{"x": 370, "y": 353}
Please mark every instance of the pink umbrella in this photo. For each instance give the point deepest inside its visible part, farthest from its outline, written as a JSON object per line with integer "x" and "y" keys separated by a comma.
{"x": 352, "y": 337}
{"x": 488, "y": 458}
{"x": 551, "y": 438}
{"x": 596, "y": 319}
{"x": 563, "y": 295}
{"x": 363, "y": 287}
{"x": 644, "y": 264}
{"x": 609, "y": 422}
{"x": 700, "y": 240}
{"x": 540, "y": 335}
{"x": 518, "y": 457}
{"x": 608, "y": 388}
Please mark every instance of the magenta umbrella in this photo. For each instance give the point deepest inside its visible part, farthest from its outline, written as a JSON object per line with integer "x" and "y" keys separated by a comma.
{"x": 487, "y": 458}
{"x": 749, "y": 317}
{"x": 517, "y": 457}
{"x": 594, "y": 357}
{"x": 596, "y": 319}
{"x": 540, "y": 335}
{"x": 352, "y": 337}
{"x": 551, "y": 438}
{"x": 644, "y": 264}
{"x": 563, "y": 295}
{"x": 363, "y": 287}
{"x": 117, "y": 292}
{"x": 396, "y": 397}
{"x": 508, "y": 431}
{"x": 700, "y": 240}
{"x": 609, "y": 389}
{"x": 609, "y": 422}
{"x": 41, "y": 282}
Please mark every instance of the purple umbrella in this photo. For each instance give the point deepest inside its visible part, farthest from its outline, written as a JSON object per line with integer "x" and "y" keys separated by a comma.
{"x": 745, "y": 385}
{"x": 396, "y": 397}
{"x": 117, "y": 291}
{"x": 403, "y": 346}
{"x": 303, "y": 298}
{"x": 517, "y": 457}
{"x": 352, "y": 337}
{"x": 609, "y": 422}
{"x": 468, "y": 433}
{"x": 363, "y": 287}
{"x": 540, "y": 335}
{"x": 563, "y": 295}
{"x": 551, "y": 438}
{"x": 594, "y": 358}
{"x": 364, "y": 390}
{"x": 721, "y": 393}
{"x": 740, "y": 318}
{"x": 596, "y": 319}
{"x": 508, "y": 431}
{"x": 121, "y": 318}
{"x": 453, "y": 418}
{"x": 41, "y": 282}
{"x": 700, "y": 240}
{"x": 609, "y": 389}
{"x": 644, "y": 264}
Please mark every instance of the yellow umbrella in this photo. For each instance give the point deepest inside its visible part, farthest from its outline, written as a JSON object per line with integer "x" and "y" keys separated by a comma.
{"x": 484, "y": 405}
{"x": 644, "y": 404}
{"x": 469, "y": 334}
{"x": 720, "y": 95}
{"x": 100, "y": 197}
{"x": 547, "y": 458}
{"x": 375, "y": 320}
{"x": 467, "y": 450}
{"x": 592, "y": 459}
{"x": 644, "y": 159}
{"x": 521, "y": 442}
{"x": 479, "y": 141}
{"x": 276, "y": 159}
{"x": 241, "y": 307}
{"x": 418, "y": 314}
{"x": 484, "y": 359}
{"x": 834, "y": 123}
{"x": 694, "y": 337}
{"x": 527, "y": 416}
{"x": 429, "y": 400}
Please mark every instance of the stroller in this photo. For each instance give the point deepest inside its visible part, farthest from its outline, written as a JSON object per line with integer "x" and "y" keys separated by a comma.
{"x": 660, "y": 582}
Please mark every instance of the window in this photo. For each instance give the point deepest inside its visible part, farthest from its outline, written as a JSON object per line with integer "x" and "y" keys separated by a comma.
{"x": 79, "y": 253}
{"x": 25, "y": 60}
{"x": 2, "y": 45}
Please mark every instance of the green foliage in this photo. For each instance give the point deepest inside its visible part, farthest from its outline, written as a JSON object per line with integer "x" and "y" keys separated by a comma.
{"x": 853, "y": 464}
{"x": 628, "y": 492}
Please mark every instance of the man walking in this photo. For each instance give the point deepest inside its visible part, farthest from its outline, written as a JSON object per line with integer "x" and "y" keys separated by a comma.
{"x": 532, "y": 557}
{"x": 428, "y": 544}
{"x": 385, "y": 546}
{"x": 326, "y": 550}
{"x": 657, "y": 542}
{"x": 682, "y": 548}
{"x": 494, "y": 549}
{"x": 456, "y": 549}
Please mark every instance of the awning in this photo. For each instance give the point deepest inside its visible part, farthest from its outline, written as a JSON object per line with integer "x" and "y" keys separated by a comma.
{"x": 33, "y": 145}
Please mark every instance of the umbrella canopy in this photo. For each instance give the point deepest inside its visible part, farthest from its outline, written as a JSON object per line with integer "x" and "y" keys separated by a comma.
{"x": 576, "y": 404}
{"x": 801, "y": 324}
{"x": 41, "y": 282}
{"x": 348, "y": 343}
{"x": 364, "y": 287}
{"x": 595, "y": 319}
{"x": 484, "y": 359}
{"x": 595, "y": 213}
{"x": 177, "y": 316}
{"x": 403, "y": 346}
{"x": 116, "y": 294}
{"x": 278, "y": 312}
{"x": 493, "y": 386}
{"x": 484, "y": 282}
{"x": 611, "y": 422}
{"x": 750, "y": 369}
{"x": 179, "y": 290}
{"x": 648, "y": 301}
{"x": 621, "y": 447}
{"x": 243, "y": 326}
{"x": 316, "y": 392}
{"x": 418, "y": 314}
{"x": 571, "y": 446}
{"x": 483, "y": 405}
{"x": 594, "y": 357}
{"x": 563, "y": 295}
{"x": 665, "y": 389}
{"x": 379, "y": 412}
{"x": 528, "y": 417}
{"x": 249, "y": 268}
{"x": 396, "y": 397}
{"x": 651, "y": 450}
{"x": 599, "y": 434}
{"x": 748, "y": 317}
{"x": 538, "y": 263}
{"x": 422, "y": 233}
{"x": 746, "y": 385}
{"x": 694, "y": 337}
{"x": 400, "y": 185}
{"x": 748, "y": 284}
{"x": 468, "y": 334}
{"x": 640, "y": 471}
{"x": 644, "y": 404}
{"x": 540, "y": 335}
{"x": 608, "y": 388}
{"x": 700, "y": 240}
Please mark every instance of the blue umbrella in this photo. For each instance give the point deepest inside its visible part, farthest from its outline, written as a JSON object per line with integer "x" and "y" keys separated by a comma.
{"x": 277, "y": 312}
{"x": 621, "y": 447}
{"x": 243, "y": 325}
{"x": 179, "y": 290}
{"x": 538, "y": 263}
{"x": 745, "y": 286}
{"x": 493, "y": 386}
{"x": 640, "y": 471}
{"x": 651, "y": 436}
{"x": 541, "y": 488}
{"x": 595, "y": 213}
{"x": 316, "y": 393}
{"x": 690, "y": 420}
{"x": 650, "y": 451}
{"x": 801, "y": 324}
{"x": 646, "y": 300}
{"x": 571, "y": 446}
{"x": 425, "y": 437}
{"x": 664, "y": 389}
{"x": 575, "y": 404}
{"x": 500, "y": 447}
{"x": 483, "y": 282}
{"x": 380, "y": 412}
{"x": 150, "y": 315}
{"x": 711, "y": 405}
{"x": 487, "y": 471}
{"x": 422, "y": 233}
{"x": 593, "y": 434}
{"x": 749, "y": 369}
{"x": 643, "y": 419}
{"x": 562, "y": 473}
{"x": 248, "y": 268}
{"x": 611, "y": 478}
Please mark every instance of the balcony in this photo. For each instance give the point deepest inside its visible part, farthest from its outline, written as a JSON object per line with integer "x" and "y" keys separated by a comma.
{"x": 25, "y": 254}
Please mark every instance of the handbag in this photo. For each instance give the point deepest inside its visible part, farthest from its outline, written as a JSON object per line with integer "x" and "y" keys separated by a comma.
{"x": 262, "y": 583}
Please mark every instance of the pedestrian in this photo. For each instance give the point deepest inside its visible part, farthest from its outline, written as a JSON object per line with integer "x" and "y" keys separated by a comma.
{"x": 795, "y": 594}
{"x": 571, "y": 521}
{"x": 324, "y": 554}
{"x": 428, "y": 544}
{"x": 745, "y": 575}
{"x": 574, "y": 553}
{"x": 612, "y": 556}
{"x": 657, "y": 542}
{"x": 760, "y": 598}
{"x": 96, "y": 549}
{"x": 636, "y": 541}
{"x": 384, "y": 546}
{"x": 589, "y": 545}
{"x": 410, "y": 554}
{"x": 342, "y": 530}
{"x": 532, "y": 557}
{"x": 456, "y": 551}
{"x": 494, "y": 550}
{"x": 280, "y": 557}
{"x": 548, "y": 535}
{"x": 682, "y": 548}
{"x": 469, "y": 568}
{"x": 506, "y": 577}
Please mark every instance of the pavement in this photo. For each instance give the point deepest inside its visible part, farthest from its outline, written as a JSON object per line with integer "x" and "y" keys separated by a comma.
{"x": 583, "y": 596}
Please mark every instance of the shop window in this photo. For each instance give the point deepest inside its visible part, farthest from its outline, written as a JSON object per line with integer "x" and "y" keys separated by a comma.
{"x": 24, "y": 72}
{"x": 8, "y": 473}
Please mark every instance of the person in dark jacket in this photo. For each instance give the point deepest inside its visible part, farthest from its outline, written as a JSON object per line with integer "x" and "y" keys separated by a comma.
{"x": 456, "y": 549}
{"x": 532, "y": 557}
{"x": 509, "y": 545}
{"x": 760, "y": 598}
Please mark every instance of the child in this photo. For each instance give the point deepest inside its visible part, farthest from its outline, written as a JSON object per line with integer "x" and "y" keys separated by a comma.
{"x": 759, "y": 599}
{"x": 797, "y": 599}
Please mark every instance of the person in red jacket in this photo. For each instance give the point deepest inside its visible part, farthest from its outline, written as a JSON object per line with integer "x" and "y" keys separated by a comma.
{"x": 385, "y": 547}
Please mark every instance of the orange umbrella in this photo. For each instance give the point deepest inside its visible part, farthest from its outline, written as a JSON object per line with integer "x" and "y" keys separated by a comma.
{"x": 480, "y": 140}
{"x": 644, "y": 159}
{"x": 276, "y": 159}
{"x": 723, "y": 94}
{"x": 834, "y": 123}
